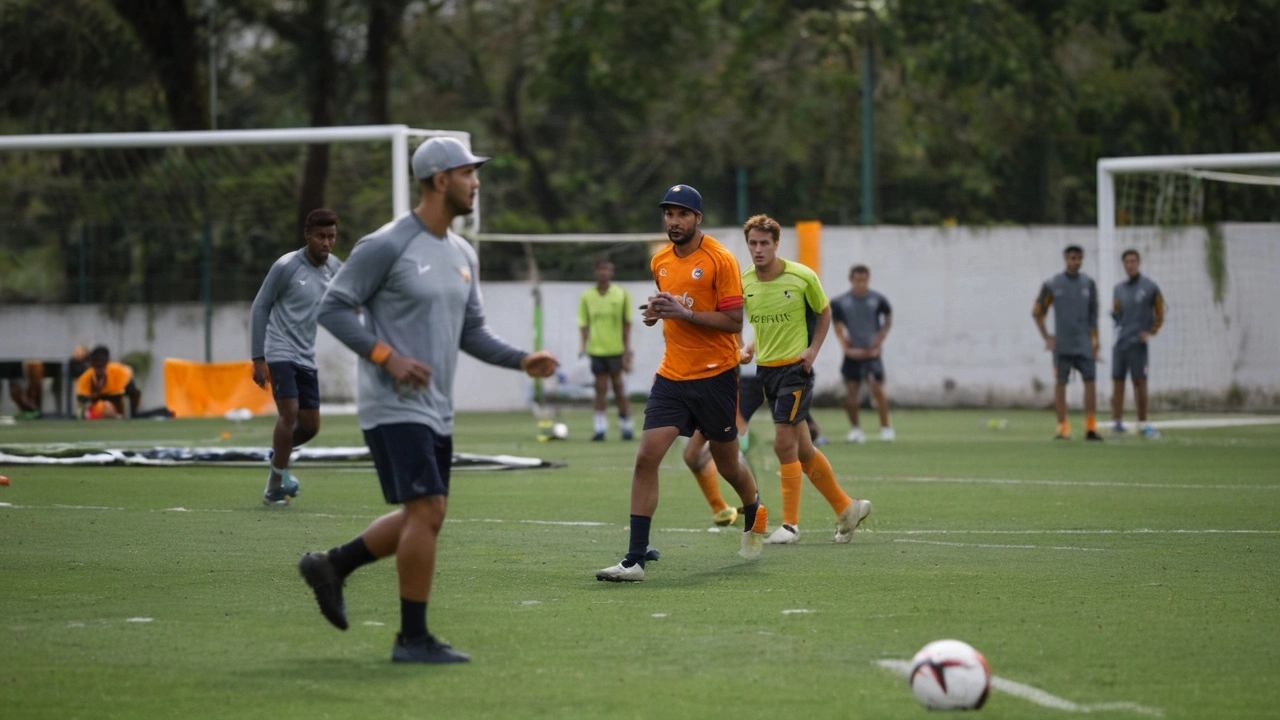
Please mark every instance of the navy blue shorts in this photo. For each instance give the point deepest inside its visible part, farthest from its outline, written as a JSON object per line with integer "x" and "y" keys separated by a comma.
{"x": 789, "y": 390}
{"x": 858, "y": 370}
{"x": 706, "y": 404}
{"x": 1084, "y": 364}
{"x": 412, "y": 461}
{"x": 606, "y": 364}
{"x": 291, "y": 380}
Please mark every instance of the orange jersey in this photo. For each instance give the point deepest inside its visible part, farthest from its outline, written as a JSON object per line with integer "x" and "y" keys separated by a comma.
{"x": 706, "y": 280}
{"x": 117, "y": 379}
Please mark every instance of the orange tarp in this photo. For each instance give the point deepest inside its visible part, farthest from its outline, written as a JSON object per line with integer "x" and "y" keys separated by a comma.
{"x": 809, "y": 244}
{"x": 194, "y": 389}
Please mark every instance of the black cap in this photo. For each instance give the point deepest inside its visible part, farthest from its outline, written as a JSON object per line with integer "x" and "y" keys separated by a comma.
{"x": 683, "y": 196}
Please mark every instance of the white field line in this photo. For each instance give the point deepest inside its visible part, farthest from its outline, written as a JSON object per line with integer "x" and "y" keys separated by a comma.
{"x": 902, "y": 668}
{"x": 1135, "y": 531}
{"x": 997, "y": 546}
{"x": 1064, "y": 483}
{"x": 1198, "y": 423}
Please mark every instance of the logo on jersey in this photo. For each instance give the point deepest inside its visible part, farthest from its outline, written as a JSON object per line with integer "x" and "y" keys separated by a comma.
{"x": 466, "y": 274}
{"x": 662, "y": 272}
{"x": 423, "y": 268}
{"x": 786, "y": 294}
{"x": 697, "y": 273}
{"x": 1139, "y": 295}
{"x": 302, "y": 282}
{"x": 1084, "y": 292}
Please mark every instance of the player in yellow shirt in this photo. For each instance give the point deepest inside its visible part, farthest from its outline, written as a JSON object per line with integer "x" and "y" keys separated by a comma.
{"x": 604, "y": 320}
{"x": 788, "y": 309}
{"x": 101, "y": 390}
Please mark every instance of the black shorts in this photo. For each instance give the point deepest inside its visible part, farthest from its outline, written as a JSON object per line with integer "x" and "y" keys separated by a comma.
{"x": 750, "y": 395}
{"x": 1084, "y": 364}
{"x": 858, "y": 370}
{"x": 789, "y": 390}
{"x": 291, "y": 380}
{"x": 706, "y": 404}
{"x": 412, "y": 461}
{"x": 606, "y": 364}
{"x": 1129, "y": 360}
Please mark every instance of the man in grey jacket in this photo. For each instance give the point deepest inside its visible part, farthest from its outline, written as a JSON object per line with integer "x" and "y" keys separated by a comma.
{"x": 283, "y": 345}
{"x": 416, "y": 285}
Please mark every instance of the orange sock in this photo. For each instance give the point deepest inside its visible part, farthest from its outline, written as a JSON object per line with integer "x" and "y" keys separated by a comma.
{"x": 791, "y": 493}
{"x": 762, "y": 520}
{"x": 1064, "y": 429}
{"x": 1091, "y": 423}
{"x": 824, "y": 479}
{"x": 709, "y": 483}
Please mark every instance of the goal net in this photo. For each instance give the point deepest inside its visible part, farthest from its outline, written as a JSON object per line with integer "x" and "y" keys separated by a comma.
{"x": 1207, "y": 228}
{"x": 166, "y": 217}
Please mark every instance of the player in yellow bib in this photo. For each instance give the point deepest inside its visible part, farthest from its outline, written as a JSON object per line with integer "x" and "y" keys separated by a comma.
{"x": 788, "y": 309}
{"x": 604, "y": 323}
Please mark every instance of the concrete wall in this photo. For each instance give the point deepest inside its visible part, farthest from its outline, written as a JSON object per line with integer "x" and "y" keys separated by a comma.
{"x": 962, "y": 331}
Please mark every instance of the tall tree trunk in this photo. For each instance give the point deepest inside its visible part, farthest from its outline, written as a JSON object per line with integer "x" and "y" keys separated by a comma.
{"x": 169, "y": 34}
{"x": 385, "y": 20}
{"x": 322, "y": 83}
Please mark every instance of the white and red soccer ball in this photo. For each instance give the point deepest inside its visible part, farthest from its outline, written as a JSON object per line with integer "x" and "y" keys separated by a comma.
{"x": 950, "y": 675}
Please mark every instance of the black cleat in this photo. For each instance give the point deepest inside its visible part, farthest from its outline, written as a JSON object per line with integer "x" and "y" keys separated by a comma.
{"x": 426, "y": 649}
{"x": 627, "y": 434}
{"x": 598, "y": 437}
{"x": 1093, "y": 435}
{"x": 320, "y": 574}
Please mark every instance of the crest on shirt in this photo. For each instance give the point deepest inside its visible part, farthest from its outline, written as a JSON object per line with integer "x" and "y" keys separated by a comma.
{"x": 786, "y": 294}
{"x": 662, "y": 272}
{"x": 466, "y": 274}
{"x": 1139, "y": 295}
{"x": 697, "y": 273}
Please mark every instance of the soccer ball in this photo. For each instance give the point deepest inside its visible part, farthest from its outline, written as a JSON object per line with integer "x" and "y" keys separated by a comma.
{"x": 560, "y": 431}
{"x": 950, "y": 675}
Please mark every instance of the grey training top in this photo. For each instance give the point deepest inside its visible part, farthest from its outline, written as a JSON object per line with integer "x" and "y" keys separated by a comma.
{"x": 420, "y": 294}
{"x": 1074, "y": 299}
{"x": 283, "y": 319}
{"x": 1137, "y": 307}
{"x": 861, "y": 316}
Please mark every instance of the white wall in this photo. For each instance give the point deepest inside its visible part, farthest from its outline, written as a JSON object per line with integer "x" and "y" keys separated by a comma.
{"x": 962, "y": 334}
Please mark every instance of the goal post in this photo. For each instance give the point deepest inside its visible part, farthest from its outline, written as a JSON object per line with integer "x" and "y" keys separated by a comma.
{"x": 1210, "y": 224}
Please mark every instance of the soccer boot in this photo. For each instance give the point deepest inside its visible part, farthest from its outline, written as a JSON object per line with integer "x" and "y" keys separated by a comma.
{"x": 855, "y": 436}
{"x": 1149, "y": 432}
{"x": 1118, "y": 428}
{"x": 784, "y": 535}
{"x": 848, "y": 520}
{"x": 289, "y": 488}
{"x": 1093, "y": 435}
{"x": 725, "y": 517}
{"x": 753, "y": 537}
{"x": 318, "y": 571}
{"x": 622, "y": 573}
{"x": 426, "y": 649}
{"x": 598, "y": 437}
{"x": 887, "y": 434}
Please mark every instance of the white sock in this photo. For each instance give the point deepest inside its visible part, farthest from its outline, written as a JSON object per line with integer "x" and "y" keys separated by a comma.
{"x": 624, "y": 422}
{"x": 601, "y": 422}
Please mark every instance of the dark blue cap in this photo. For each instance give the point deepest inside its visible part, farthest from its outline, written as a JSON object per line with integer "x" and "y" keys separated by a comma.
{"x": 683, "y": 196}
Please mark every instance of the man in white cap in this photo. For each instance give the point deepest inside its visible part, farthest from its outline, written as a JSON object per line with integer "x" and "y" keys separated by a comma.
{"x": 416, "y": 285}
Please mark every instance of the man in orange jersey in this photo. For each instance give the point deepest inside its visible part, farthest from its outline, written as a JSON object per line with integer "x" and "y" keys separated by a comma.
{"x": 102, "y": 388}
{"x": 699, "y": 300}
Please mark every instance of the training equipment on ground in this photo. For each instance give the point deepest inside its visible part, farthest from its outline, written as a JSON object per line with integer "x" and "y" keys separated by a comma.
{"x": 950, "y": 675}
{"x": 1205, "y": 229}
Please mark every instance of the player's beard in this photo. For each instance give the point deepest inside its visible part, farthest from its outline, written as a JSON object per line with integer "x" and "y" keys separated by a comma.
{"x": 459, "y": 207}
{"x": 679, "y": 237}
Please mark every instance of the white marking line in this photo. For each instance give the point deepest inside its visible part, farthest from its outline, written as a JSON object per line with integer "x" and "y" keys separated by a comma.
{"x": 1135, "y": 531}
{"x": 992, "y": 545}
{"x": 139, "y": 620}
{"x": 373, "y": 623}
{"x": 658, "y": 615}
{"x": 573, "y": 523}
{"x": 529, "y": 602}
{"x": 798, "y": 611}
{"x": 1061, "y": 483}
{"x": 1196, "y": 423}
{"x": 902, "y": 668}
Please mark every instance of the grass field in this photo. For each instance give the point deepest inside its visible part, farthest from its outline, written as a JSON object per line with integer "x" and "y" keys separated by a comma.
{"x": 1128, "y": 579}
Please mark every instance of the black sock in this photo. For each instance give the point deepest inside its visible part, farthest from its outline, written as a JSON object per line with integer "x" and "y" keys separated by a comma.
{"x": 413, "y": 619}
{"x": 639, "y": 540}
{"x": 749, "y": 514}
{"x": 347, "y": 558}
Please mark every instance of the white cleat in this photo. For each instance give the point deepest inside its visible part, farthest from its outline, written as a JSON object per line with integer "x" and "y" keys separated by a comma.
{"x": 855, "y": 436}
{"x": 886, "y": 434}
{"x": 784, "y": 535}
{"x": 752, "y": 545}
{"x": 848, "y": 520}
{"x": 620, "y": 573}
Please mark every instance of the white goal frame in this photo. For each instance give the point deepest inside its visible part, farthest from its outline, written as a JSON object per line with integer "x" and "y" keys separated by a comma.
{"x": 397, "y": 135}
{"x": 1108, "y": 168}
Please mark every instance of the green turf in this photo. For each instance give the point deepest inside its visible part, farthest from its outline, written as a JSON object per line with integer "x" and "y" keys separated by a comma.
{"x": 1082, "y": 570}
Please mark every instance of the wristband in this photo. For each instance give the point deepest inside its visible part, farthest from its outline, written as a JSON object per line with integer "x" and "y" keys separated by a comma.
{"x": 380, "y": 352}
